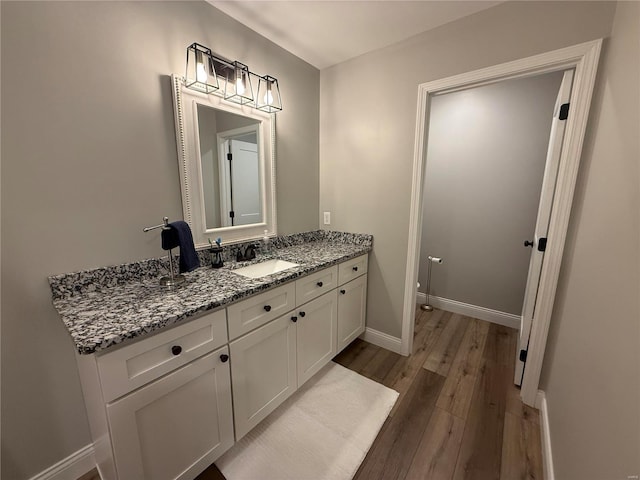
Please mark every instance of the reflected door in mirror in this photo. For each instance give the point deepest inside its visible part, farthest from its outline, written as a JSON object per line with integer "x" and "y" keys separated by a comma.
{"x": 240, "y": 190}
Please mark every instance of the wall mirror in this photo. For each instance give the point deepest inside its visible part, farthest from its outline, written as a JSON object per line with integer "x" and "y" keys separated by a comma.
{"x": 226, "y": 156}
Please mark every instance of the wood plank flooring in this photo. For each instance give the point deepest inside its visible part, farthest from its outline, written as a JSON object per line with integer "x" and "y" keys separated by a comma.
{"x": 478, "y": 428}
{"x": 458, "y": 415}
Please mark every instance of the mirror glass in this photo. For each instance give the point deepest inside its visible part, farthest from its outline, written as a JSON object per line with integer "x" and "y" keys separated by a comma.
{"x": 230, "y": 163}
{"x": 226, "y": 159}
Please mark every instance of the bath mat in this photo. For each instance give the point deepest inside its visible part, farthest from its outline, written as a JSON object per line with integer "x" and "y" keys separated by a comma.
{"x": 322, "y": 432}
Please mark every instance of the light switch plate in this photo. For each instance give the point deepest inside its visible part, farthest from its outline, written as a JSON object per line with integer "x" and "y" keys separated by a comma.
{"x": 327, "y": 218}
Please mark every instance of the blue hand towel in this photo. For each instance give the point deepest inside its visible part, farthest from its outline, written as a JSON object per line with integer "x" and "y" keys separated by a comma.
{"x": 179, "y": 235}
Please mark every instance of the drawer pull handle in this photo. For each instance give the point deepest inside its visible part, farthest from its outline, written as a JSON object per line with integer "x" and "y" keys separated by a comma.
{"x": 224, "y": 358}
{"x": 267, "y": 308}
{"x": 302, "y": 314}
{"x": 294, "y": 319}
{"x": 319, "y": 284}
{"x": 343, "y": 292}
{"x": 355, "y": 269}
{"x": 176, "y": 349}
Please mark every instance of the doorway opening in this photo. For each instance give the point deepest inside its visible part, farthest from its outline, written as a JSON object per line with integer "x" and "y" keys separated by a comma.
{"x": 491, "y": 167}
{"x": 582, "y": 59}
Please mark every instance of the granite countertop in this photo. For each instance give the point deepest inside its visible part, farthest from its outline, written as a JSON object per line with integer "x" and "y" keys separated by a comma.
{"x": 105, "y": 307}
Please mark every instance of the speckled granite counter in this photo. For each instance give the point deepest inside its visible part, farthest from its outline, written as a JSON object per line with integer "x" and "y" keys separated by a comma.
{"x": 106, "y": 306}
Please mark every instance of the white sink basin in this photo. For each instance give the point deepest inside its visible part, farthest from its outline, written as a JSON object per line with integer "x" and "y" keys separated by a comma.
{"x": 262, "y": 269}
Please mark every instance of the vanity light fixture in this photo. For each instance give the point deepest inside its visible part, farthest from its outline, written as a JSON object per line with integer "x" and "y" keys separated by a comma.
{"x": 205, "y": 70}
{"x": 268, "y": 96}
{"x": 201, "y": 74}
{"x": 238, "y": 86}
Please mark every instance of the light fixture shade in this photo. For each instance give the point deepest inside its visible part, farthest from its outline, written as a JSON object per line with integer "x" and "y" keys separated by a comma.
{"x": 238, "y": 87}
{"x": 268, "y": 97}
{"x": 201, "y": 74}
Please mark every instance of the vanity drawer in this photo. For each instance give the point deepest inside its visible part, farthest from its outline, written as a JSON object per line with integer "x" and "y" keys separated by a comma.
{"x": 255, "y": 311}
{"x": 353, "y": 268}
{"x": 132, "y": 366}
{"x": 316, "y": 284}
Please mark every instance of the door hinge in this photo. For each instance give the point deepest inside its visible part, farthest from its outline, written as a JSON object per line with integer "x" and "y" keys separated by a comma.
{"x": 232, "y": 214}
{"x": 523, "y": 355}
{"x": 564, "y": 111}
{"x": 229, "y": 156}
{"x": 542, "y": 244}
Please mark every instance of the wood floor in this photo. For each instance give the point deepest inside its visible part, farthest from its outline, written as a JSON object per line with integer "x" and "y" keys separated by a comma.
{"x": 458, "y": 415}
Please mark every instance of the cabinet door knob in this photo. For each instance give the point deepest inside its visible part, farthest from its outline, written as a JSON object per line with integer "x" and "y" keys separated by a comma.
{"x": 302, "y": 314}
{"x": 224, "y": 358}
{"x": 343, "y": 292}
{"x": 294, "y": 319}
{"x": 176, "y": 349}
{"x": 319, "y": 284}
{"x": 355, "y": 269}
{"x": 267, "y": 308}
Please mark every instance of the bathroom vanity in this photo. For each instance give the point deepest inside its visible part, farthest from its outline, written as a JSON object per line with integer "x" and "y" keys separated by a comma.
{"x": 172, "y": 378}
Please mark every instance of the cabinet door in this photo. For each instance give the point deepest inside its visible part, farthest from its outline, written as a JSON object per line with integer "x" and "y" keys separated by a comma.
{"x": 316, "y": 335}
{"x": 175, "y": 427}
{"x": 263, "y": 372}
{"x": 352, "y": 309}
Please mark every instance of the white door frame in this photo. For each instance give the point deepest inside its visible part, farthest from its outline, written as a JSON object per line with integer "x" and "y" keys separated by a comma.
{"x": 584, "y": 58}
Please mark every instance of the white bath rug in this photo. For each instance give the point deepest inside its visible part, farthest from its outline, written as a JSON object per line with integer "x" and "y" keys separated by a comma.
{"x": 322, "y": 432}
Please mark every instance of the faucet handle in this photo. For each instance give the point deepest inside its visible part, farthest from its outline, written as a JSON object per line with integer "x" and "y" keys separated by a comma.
{"x": 250, "y": 252}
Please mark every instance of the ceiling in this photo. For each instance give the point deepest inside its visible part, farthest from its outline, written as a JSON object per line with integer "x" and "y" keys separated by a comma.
{"x": 325, "y": 33}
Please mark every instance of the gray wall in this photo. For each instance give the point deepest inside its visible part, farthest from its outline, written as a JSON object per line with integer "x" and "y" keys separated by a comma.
{"x": 591, "y": 371}
{"x": 88, "y": 159}
{"x": 485, "y": 161}
{"x": 368, "y": 114}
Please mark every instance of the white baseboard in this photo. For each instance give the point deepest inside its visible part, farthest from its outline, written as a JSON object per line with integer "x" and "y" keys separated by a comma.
{"x": 382, "y": 340}
{"x": 545, "y": 436}
{"x": 481, "y": 313}
{"x": 70, "y": 468}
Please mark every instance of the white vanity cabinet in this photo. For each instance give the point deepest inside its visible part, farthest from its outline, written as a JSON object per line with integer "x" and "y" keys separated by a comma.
{"x": 352, "y": 307}
{"x": 177, "y": 426}
{"x": 257, "y": 310}
{"x": 353, "y": 268}
{"x": 270, "y": 362}
{"x": 160, "y": 408}
{"x": 316, "y": 325}
{"x": 352, "y": 299}
{"x": 316, "y": 284}
{"x": 263, "y": 366}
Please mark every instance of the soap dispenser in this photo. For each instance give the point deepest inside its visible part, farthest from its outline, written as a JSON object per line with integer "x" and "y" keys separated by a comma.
{"x": 266, "y": 243}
